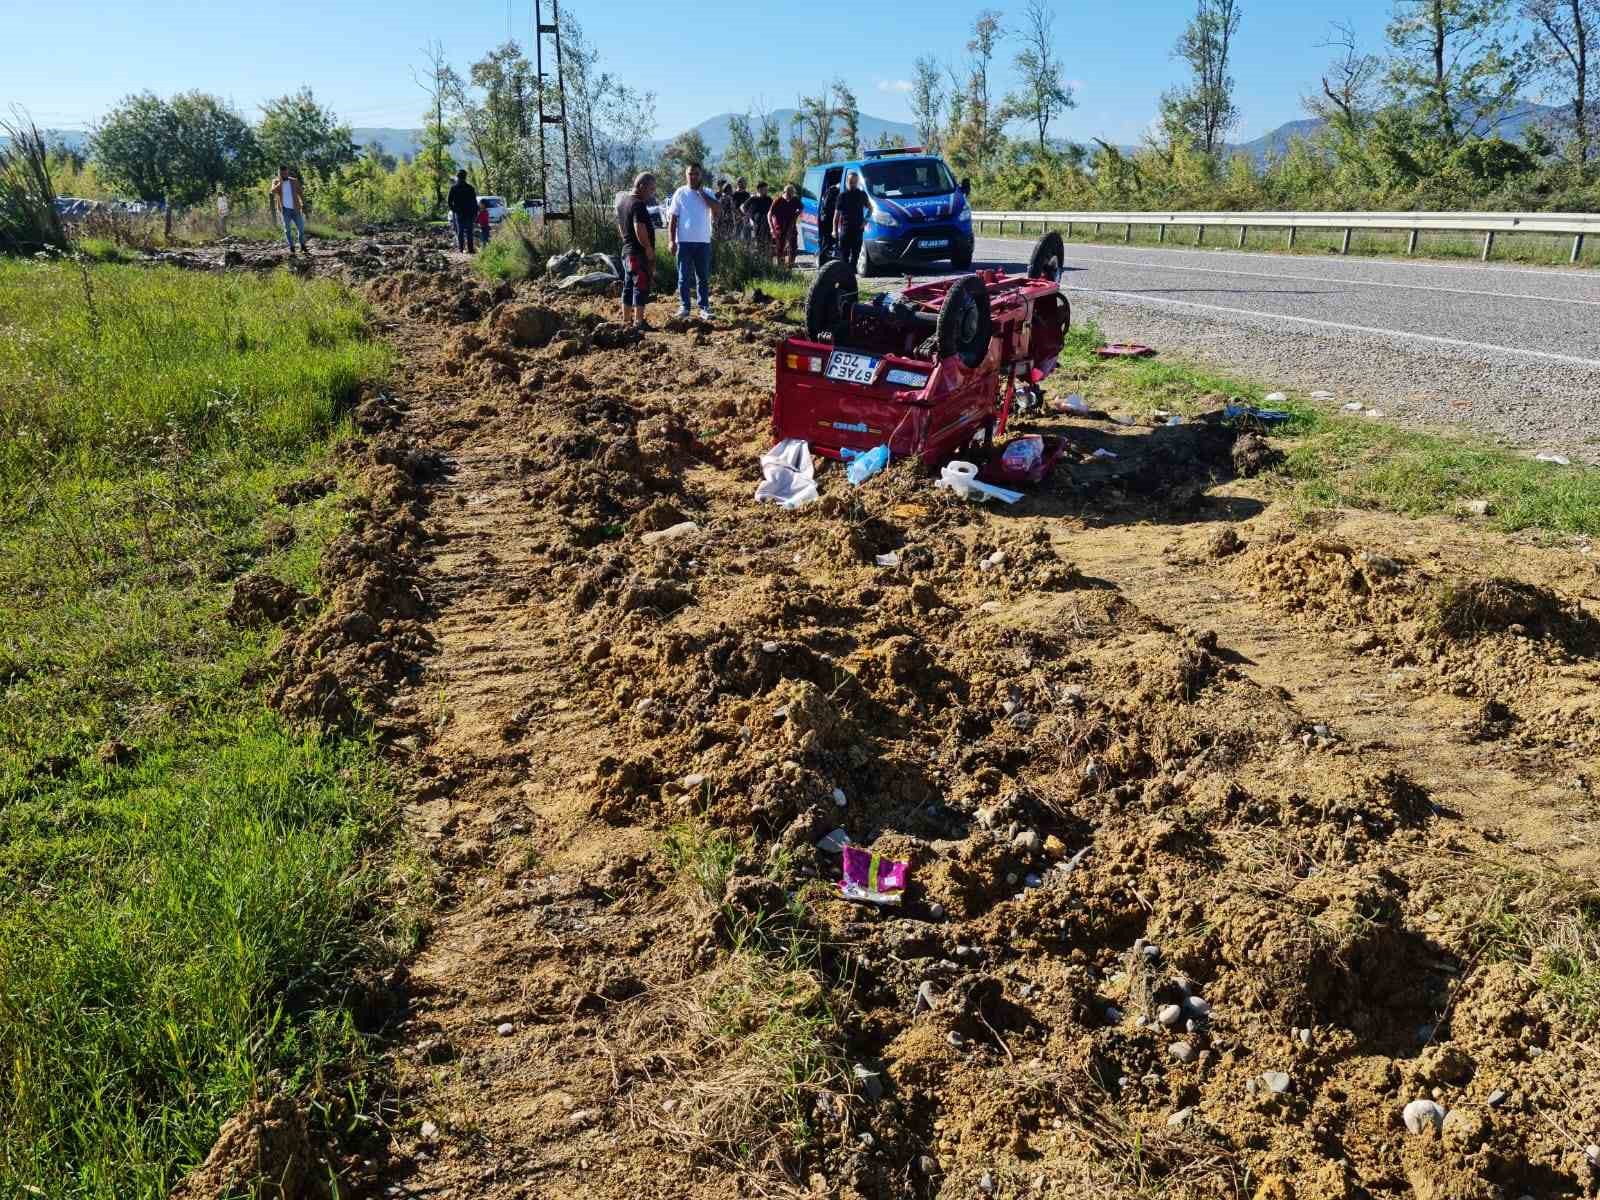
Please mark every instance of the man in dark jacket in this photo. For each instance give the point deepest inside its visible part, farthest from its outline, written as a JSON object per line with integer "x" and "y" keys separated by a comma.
{"x": 463, "y": 202}
{"x": 829, "y": 206}
{"x": 850, "y": 218}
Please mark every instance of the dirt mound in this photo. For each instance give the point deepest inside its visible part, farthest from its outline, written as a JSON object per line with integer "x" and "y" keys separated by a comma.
{"x": 260, "y": 600}
{"x": 525, "y": 326}
{"x": 263, "y": 1151}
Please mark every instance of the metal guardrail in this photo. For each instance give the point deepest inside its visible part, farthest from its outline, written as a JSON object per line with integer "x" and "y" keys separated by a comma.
{"x": 1575, "y": 225}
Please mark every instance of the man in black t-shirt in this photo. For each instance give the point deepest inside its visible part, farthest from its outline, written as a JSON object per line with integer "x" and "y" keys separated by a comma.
{"x": 463, "y": 202}
{"x": 757, "y": 208}
{"x": 826, "y": 245}
{"x": 741, "y": 197}
{"x": 638, "y": 230}
{"x": 850, "y": 218}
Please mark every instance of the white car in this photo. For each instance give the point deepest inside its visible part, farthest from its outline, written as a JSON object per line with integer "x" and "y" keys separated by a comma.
{"x": 497, "y": 208}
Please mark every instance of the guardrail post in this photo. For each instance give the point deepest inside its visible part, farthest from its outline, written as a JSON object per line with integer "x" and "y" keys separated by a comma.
{"x": 1243, "y": 229}
{"x": 1161, "y": 235}
{"x": 1097, "y": 229}
{"x": 1200, "y": 235}
{"x": 1291, "y": 237}
{"x": 1344, "y": 247}
{"x": 1069, "y": 231}
{"x": 1488, "y": 244}
{"x": 1127, "y": 232}
{"x": 1411, "y": 243}
{"x": 1577, "y": 246}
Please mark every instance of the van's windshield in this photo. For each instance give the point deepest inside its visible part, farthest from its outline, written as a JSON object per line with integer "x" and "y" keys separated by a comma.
{"x": 898, "y": 178}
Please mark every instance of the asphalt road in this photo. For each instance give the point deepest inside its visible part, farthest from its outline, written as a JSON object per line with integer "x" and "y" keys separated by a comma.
{"x": 1513, "y": 351}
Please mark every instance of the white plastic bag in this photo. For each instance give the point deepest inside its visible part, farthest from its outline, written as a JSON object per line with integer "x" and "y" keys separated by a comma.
{"x": 789, "y": 478}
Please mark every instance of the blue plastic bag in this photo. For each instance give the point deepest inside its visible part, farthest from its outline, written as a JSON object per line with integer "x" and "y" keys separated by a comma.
{"x": 864, "y": 466}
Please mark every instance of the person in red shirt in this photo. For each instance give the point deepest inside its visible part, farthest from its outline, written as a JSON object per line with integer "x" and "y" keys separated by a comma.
{"x": 783, "y": 216}
{"x": 483, "y": 222}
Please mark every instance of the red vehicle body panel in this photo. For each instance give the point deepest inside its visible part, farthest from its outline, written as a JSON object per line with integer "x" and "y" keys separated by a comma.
{"x": 1029, "y": 321}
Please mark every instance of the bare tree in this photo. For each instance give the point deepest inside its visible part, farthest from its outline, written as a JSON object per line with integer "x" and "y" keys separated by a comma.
{"x": 1565, "y": 43}
{"x": 848, "y": 110}
{"x": 816, "y": 124}
{"x": 1350, "y": 83}
{"x": 437, "y": 80}
{"x": 1044, "y": 95}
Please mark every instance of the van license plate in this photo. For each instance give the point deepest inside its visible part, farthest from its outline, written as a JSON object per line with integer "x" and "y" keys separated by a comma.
{"x": 934, "y": 243}
{"x": 852, "y": 368}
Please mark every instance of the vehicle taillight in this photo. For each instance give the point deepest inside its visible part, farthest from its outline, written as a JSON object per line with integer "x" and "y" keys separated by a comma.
{"x": 802, "y": 362}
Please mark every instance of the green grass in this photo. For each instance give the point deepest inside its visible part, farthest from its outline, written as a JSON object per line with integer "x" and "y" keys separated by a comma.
{"x": 186, "y": 884}
{"x": 1550, "y": 928}
{"x": 1531, "y": 248}
{"x": 1334, "y": 460}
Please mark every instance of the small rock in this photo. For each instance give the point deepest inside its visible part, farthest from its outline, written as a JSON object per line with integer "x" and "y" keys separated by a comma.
{"x": 1276, "y": 1082}
{"x": 1181, "y": 1117}
{"x": 1182, "y": 1051}
{"x": 1113, "y": 1015}
{"x": 839, "y": 797}
{"x": 1027, "y": 842}
{"x": 1465, "y": 1128}
{"x": 692, "y": 783}
{"x": 936, "y": 911}
{"x": 1011, "y": 879}
{"x": 927, "y": 997}
{"x": 834, "y": 842}
{"x": 506, "y": 1029}
{"x": 1030, "y": 880}
{"x": 986, "y": 1184}
{"x": 1151, "y": 951}
{"x": 928, "y": 1165}
{"x": 769, "y": 647}
{"x": 955, "y": 1039}
{"x": 1304, "y": 1036}
{"x": 1496, "y": 1098}
{"x": 1476, "y": 508}
{"x": 1276, "y": 398}
{"x": 870, "y": 1083}
{"x": 1198, "y": 1006}
{"x": 429, "y": 1131}
{"x": 1322, "y": 394}
{"x": 1420, "y": 1114}
{"x": 1169, "y": 1015}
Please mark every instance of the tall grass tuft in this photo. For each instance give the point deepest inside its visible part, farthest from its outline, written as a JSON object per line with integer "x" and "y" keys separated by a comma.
{"x": 28, "y": 218}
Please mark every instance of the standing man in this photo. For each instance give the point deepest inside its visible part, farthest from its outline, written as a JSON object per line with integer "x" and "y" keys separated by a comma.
{"x": 638, "y": 231}
{"x": 826, "y": 246}
{"x": 850, "y": 219}
{"x": 222, "y": 214}
{"x": 463, "y": 202}
{"x": 757, "y": 208}
{"x": 289, "y": 199}
{"x": 784, "y": 213}
{"x": 694, "y": 208}
{"x": 741, "y": 197}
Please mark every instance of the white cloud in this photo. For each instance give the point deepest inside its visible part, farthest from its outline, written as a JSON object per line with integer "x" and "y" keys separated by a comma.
{"x": 894, "y": 85}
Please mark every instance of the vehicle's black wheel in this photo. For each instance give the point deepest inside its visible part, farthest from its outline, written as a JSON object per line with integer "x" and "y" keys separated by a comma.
{"x": 964, "y": 323}
{"x": 832, "y": 291}
{"x": 869, "y": 267}
{"x": 962, "y": 260}
{"x": 1049, "y": 254}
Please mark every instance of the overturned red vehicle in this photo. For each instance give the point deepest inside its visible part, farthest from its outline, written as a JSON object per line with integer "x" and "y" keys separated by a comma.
{"x": 933, "y": 370}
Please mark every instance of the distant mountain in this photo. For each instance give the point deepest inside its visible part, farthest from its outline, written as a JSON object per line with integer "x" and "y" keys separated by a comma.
{"x": 399, "y": 142}
{"x": 715, "y": 130}
{"x": 1519, "y": 114}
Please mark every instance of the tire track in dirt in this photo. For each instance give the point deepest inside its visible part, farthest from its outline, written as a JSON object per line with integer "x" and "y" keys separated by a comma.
{"x": 1064, "y": 672}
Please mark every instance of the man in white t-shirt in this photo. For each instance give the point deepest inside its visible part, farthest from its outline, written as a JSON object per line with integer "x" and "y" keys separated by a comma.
{"x": 694, "y": 209}
{"x": 289, "y": 198}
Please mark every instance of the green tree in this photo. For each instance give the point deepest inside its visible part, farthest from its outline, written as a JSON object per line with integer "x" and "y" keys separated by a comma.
{"x": 927, "y": 101}
{"x": 440, "y": 82}
{"x": 848, "y": 111}
{"x": 741, "y": 157}
{"x": 296, "y": 131}
{"x": 180, "y": 150}
{"x": 1451, "y": 65}
{"x": 814, "y": 126}
{"x": 1565, "y": 53}
{"x": 496, "y": 109}
{"x": 1044, "y": 95}
{"x": 1202, "y": 111}
{"x": 688, "y": 147}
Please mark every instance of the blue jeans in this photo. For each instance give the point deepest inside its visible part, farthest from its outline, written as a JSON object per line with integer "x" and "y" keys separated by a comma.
{"x": 294, "y": 219}
{"x": 694, "y": 266}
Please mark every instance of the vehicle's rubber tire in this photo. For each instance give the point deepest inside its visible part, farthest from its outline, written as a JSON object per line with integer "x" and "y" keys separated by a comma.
{"x": 869, "y": 267}
{"x": 965, "y": 325}
{"x": 962, "y": 261}
{"x": 830, "y": 291}
{"x": 1049, "y": 254}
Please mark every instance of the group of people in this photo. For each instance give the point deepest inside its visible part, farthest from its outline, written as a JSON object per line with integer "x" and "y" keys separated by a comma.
{"x": 771, "y": 222}
{"x": 468, "y": 213}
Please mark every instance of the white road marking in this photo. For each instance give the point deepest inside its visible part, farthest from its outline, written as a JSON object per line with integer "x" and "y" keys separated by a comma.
{"x": 1555, "y": 272}
{"x": 1416, "y": 287}
{"x": 1461, "y": 343}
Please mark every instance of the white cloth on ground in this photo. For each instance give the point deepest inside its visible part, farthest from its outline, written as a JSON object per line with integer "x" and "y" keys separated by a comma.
{"x": 789, "y": 478}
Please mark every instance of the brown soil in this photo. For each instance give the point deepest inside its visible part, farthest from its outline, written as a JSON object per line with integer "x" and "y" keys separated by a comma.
{"x": 264, "y": 1152}
{"x": 1152, "y": 749}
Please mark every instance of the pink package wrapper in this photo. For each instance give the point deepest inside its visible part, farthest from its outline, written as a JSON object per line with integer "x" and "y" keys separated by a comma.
{"x": 871, "y": 877}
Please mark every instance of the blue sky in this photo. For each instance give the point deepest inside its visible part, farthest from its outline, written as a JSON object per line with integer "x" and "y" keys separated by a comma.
{"x": 71, "y": 61}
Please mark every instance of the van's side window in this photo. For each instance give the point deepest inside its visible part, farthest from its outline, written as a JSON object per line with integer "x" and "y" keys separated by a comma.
{"x": 811, "y": 185}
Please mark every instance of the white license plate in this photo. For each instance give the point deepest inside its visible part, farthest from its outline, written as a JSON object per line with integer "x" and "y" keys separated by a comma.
{"x": 852, "y": 368}
{"x": 934, "y": 243}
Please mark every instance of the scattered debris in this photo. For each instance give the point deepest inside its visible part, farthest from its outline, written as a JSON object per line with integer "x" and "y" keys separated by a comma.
{"x": 870, "y": 877}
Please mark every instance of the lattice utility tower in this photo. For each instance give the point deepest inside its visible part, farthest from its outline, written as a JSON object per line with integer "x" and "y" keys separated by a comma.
{"x": 558, "y": 118}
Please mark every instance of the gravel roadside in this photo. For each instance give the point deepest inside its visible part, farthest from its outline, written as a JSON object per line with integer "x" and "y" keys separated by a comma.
{"x": 1531, "y": 405}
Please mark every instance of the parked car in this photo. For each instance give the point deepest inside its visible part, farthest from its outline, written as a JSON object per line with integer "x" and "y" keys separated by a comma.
{"x": 497, "y": 208}
{"x": 919, "y": 213}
